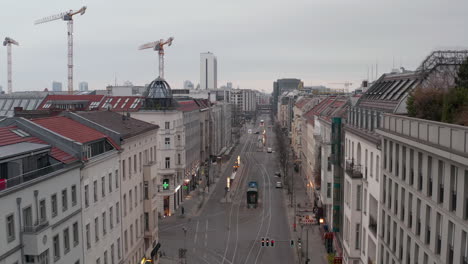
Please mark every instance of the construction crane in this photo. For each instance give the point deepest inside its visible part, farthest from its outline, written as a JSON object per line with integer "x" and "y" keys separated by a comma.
{"x": 346, "y": 85}
{"x": 66, "y": 16}
{"x": 8, "y": 42}
{"x": 159, "y": 46}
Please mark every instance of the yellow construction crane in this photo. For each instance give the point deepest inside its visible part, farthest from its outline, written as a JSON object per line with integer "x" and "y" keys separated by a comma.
{"x": 66, "y": 16}
{"x": 159, "y": 46}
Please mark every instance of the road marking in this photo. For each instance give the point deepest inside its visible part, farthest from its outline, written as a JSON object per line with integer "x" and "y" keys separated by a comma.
{"x": 196, "y": 233}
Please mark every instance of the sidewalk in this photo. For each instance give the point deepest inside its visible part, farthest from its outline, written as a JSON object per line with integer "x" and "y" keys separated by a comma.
{"x": 315, "y": 248}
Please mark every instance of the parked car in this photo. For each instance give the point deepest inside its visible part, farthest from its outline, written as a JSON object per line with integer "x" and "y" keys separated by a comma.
{"x": 278, "y": 174}
{"x": 269, "y": 150}
{"x": 279, "y": 184}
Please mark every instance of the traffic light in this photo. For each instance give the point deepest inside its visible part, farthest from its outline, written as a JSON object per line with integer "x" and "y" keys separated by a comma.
{"x": 272, "y": 243}
{"x": 291, "y": 243}
{"x": 299, "y": 242}
{"x": 267, "y": 242}
{"x": 263, "y": 242}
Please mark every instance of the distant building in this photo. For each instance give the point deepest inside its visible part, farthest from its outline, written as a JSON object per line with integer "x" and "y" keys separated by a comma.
{"x": 188, "y": 85}
{"x": 1, "y": 89}
{"x": 229, "y": 85}
{"x": 83, "y": 86}
{"x": 208, "y": 71}
{"x": 56, "y": 86}
{"x": 282, "y": 85}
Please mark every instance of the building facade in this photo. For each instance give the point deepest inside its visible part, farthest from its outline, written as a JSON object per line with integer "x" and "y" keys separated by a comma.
{"x": 83, "y": 86}
{"x": 208, "y": 71}
{"x": 424, "y": 197}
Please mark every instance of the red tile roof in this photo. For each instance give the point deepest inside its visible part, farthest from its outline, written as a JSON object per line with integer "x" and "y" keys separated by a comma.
{"x": 72, "y": 129}
{"x": 188, "y": 106}
{"x": 8, "y": 137}
{"x": 96, "y": 99}
{"x": 302, "y": 102}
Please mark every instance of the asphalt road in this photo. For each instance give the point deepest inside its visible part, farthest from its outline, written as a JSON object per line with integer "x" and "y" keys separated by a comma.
{"x": 230, "y": 232}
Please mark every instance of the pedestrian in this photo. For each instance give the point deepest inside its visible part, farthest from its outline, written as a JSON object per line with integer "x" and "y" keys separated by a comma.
{"x": 183, "y": 210}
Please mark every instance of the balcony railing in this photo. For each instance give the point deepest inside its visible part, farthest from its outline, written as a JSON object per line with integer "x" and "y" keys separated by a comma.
{"x": 353, "y": 170}
{"x": 37, "y": 227}
{"x": 17, "y": 180}
{"x": 372, "y": 224}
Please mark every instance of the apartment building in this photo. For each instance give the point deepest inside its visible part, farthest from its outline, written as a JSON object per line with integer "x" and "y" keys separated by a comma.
{"x": 160, "y": 108}
{"x": 100, "y": 183}
{"x": 138, "y": 143}
{"x": 40, "y": 199}
{"x": 424, "y": 199}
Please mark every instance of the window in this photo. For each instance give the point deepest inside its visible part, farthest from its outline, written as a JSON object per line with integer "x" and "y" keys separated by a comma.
{"x": 105, "y": 257}
{"x": 126, "y": 240}
{"x": 130, "y": 197}
{"x": 168, "y": 162}
{"x": 119, "y": 251}
{"x": 95, "y": 191}
{"x": 111, "y": 217}
{"x": 141, "y": 192}
{"x": 64, "y": 200}
{"x": 358, "y": 236}
{"x": 88, "y": 237}
{"x": 103, "y": 186}
{"x": 10, "y": 221}
{"x": 137, "y": 231}
{"x": 86, "y": 194}
{"x": 136, "y": 196}
{"x": 117, "y": 212}
{"x": 116, "y": 179}
{"x": 54, "y": 204}
{"x": 140, "y": 161}
{"x": 441, "y": 182}
{"x": 112, "y": 253}
{"x": 66, "y": 241}
{"x": 134, "y": 163}
{"x": 167, "y": 143}
{"x": 178, "y": 159}
{"x": 73, "y": 195}
{"x": 42, "y": 210}
{"x": 146, "y": 221}
{"x": 130, "y": 167}
{"x": 123, "y": 169}
{"x": 96, "y": 229}
{"x": 56, "y": 248}
{"x": 358, "y": 197}
{"x": 429, "y": 176}
{"x": 329, "y": 190}
{"x": 453, "y": 188}
{"x": 166, "y": 125}
{"x": 146, "y": 194}
{"x": 125, "y": 205}
{"x": 104, "y": 229}
{"x": 76, "y": 239}
{"x": 131, "y": 235}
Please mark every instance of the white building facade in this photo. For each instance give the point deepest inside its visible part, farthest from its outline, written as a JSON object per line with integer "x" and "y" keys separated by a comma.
{"x": 208, "y": 71}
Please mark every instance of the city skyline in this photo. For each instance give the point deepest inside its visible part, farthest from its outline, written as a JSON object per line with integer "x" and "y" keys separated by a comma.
{"x": 310, "y": 46}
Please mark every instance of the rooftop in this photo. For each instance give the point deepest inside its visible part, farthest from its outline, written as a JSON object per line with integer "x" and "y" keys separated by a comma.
{"x": 126, "y": 126}
{"x": 13, "y": 135}
{"x": 71, "y": 129}
{"x": 21, "y": 148}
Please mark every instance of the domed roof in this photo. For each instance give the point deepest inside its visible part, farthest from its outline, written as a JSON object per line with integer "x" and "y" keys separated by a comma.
{"x": 158, "y": 96}
{"x": 158, "y": 89}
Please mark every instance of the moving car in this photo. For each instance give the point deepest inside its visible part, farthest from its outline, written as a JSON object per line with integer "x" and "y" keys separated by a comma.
{"x": 269, "y": 150}
{"x": 249, "y": 131}
{"x": 279, "y": 184}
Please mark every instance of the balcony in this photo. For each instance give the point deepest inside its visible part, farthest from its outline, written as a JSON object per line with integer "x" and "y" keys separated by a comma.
{"x": 33, "y": 237}
{"x": 28, "y": 176}
{"x": 354, "y": 171}
{"x": 39, "y": 226}
{"x": 373, "y": 224}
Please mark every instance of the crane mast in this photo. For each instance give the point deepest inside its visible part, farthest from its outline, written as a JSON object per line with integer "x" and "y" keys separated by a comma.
{"x": 8, "y": 42}
{"x": 159, "y": 46}
{"x": 66, "y": 16}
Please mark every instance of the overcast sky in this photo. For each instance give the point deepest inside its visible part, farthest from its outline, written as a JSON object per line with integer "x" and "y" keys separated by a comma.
{"x": 255, "y": 41}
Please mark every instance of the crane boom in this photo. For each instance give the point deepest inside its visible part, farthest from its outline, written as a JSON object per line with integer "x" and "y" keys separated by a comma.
{"x": 159, "y": 46}
{"x": 64, "y": 15}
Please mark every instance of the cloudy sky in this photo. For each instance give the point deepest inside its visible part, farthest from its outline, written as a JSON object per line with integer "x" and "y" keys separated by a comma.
{"x": 255, "y": 41}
